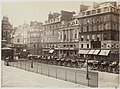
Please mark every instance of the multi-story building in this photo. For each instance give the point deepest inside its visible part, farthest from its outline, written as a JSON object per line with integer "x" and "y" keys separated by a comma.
{"x": 34, "y": 38}
{"x": 99, "y": 31}
{"x": 19, "y": 37}
{"x": 51, "y": 30}
{"x": 6, "y": 31}
{"x": 68, "y": 37}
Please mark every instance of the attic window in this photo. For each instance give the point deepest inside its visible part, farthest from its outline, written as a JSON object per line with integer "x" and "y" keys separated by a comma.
{"x": 93, "y": 12}
{"x": 88, "y": 13}
{"x": 98, "y": 10}
{"x": 106, "y": 9}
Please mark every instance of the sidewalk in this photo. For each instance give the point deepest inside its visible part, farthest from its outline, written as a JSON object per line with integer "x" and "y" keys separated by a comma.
{"x": 14, "y": 77}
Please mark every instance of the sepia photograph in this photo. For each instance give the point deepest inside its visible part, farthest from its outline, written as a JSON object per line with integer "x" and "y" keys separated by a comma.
{"x": 60, "y": 44}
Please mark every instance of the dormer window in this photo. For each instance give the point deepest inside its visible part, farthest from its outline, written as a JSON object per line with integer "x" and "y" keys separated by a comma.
{"x": 57, "y": 19}
{"x": 83, "y": 13}
{"x": 93, "y": 11}
{"x": 88, "y": 13}
{"x": 106, "y": 9}
{"x": 98, "y": 10}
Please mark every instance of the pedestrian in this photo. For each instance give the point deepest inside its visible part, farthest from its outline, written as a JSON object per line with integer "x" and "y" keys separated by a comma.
{"x": 7, "y": 61}
{"x": 31, "y": 62}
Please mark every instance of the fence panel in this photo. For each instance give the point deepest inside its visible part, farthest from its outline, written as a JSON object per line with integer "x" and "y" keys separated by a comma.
{"x": 61, "y": 73}
{"x": 81, "y": 77}
{"x": 45, "y": 70}
{"x": 53, "y": 72}
{"x": 64, "y": 73}
{"x": 93, "y": 82}
{"x": 23, "y": 65}
{"x": 70, "y": 75}
{"x": 39, "y": 69}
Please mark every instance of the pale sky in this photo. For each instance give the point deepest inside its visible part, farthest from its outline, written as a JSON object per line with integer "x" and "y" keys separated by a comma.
{"x": 20, "y": 12}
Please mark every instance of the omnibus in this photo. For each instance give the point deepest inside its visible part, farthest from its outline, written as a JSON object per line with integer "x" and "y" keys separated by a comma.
{"x": 7, "y": 52}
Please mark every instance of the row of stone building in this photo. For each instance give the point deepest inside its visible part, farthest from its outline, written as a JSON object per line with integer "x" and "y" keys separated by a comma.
{"x": 94, "y": 32}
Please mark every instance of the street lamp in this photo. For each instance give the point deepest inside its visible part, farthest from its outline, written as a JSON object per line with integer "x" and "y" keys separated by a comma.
{"x": 87, "y": 75}
{"x": 31, "y": 61}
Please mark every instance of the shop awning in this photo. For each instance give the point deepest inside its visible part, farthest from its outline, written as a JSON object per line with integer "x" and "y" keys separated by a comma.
{"x": 6, "y": 48}
{"x": 45, "y": 49}
{"x": 83, "y": 51}
{"x": 51, "y": 51}
{"x": 91, "y": 51}
{"x": 104, "y": 52}
{"x": 96, "y": 52}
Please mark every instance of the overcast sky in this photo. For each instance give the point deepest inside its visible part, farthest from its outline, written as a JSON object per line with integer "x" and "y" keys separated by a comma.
{"x": 20, "y": 12}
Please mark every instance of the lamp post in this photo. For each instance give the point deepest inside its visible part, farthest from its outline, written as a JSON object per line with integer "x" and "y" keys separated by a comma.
{"x": 24, "y": 50}
{"x": 87, "y": 75}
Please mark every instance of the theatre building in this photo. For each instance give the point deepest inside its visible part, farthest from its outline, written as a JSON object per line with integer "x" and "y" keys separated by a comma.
{"x": 68, "y": 37}
{"x": 99, "y": 32}
{"x": 50, "y": 36}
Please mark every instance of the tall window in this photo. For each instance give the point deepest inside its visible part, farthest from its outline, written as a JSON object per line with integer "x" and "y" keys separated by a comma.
{"x": 105, "y": 26}
{"x": 81, "y": 29}
{"x": 87, "y": 45}
{"x": 88, "y": 37}
{"x": 81, "y": 45}
{"x": 81, "y": 38}
{"x": 93, "y": 37}
{"x": 64, "y": 37}
{"x": 18, "y": 40}
{"x": 87, "y": 28}
{"x": 75, "y": 35}
{"x": 97, "y": 27}
{"x": 98, "y": 37}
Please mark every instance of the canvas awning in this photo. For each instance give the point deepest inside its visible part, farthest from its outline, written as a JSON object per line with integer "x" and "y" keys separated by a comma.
{"x": 96, "y": 52}
{"x": 91, "y": 51}
{"x": 51, "y": 51}
{"x": 104, "y": 52}
{"x": 83, "y": 51}
{"x": 45, "y": 49}
{"x": 6, "y": 48}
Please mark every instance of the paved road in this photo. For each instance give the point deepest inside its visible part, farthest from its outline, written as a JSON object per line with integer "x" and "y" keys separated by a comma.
{"x": 14, "y": 77}
{"x": 104, "y": 79}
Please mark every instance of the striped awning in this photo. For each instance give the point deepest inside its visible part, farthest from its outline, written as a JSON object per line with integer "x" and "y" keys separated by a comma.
{"x": 96, "y": 52}
{"x": 83, "y": 51}
{"x": 104, "y": 52}
{"x": 91, "y": 51}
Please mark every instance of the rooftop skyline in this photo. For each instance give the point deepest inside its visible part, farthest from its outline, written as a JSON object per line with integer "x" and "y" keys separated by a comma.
{"x": 24, "y": 12}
